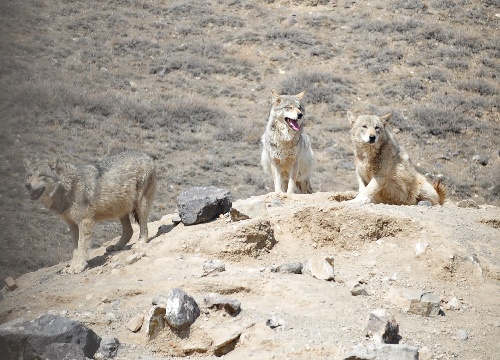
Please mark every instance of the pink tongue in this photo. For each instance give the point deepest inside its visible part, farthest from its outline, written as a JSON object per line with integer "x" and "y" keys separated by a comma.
{"x": 295, "y": 126}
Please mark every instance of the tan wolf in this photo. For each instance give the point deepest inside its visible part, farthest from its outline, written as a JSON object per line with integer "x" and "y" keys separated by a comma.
{"x": 287, "y": 154}
{"x": 83, "y": 195}
{"x": 384, "y": 170}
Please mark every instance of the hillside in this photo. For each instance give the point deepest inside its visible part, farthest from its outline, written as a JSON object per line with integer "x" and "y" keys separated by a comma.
{"x": 190, "y": 83}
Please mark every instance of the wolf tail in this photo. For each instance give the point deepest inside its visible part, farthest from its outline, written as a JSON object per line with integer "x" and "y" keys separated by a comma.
{"x": 441, "y": 190}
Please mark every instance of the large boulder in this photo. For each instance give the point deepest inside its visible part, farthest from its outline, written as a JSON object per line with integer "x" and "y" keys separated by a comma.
{"x": 38, "y": 339}
{"x": 201, "y": 204}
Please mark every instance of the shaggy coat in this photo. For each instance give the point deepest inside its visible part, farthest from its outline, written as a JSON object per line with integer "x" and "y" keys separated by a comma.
{"x": 287, "y": 154}
{"x": 83, "y": 195}
{"x": 384, "y": 171}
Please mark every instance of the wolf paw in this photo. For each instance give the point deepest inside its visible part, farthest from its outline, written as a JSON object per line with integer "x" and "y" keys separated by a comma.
{"x": 360, "y": 200}
{"x": 112, "y": 248}
{"x": 76, "y": 268}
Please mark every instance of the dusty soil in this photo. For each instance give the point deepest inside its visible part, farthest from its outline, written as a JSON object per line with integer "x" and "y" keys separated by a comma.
{"x": 322, "y": 320}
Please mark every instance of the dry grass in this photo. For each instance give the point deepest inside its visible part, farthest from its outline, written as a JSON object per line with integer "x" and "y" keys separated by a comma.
{"x": 190, "y": 82}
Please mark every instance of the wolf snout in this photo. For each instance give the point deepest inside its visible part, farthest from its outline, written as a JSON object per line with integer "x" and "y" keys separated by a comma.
{"x": 299, "y": 115}
{"x": 29, "y": 187}
{"x": 372, "y": 139}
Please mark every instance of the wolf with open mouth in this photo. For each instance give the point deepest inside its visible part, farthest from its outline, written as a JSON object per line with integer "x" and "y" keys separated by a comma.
{"x": 287, "y": 153}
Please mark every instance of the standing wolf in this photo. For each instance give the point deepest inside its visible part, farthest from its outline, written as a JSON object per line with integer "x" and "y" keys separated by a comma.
{"x": 384, "y": 171}
{"x": 287, "y": 154}
{"x": 83, "y": 195}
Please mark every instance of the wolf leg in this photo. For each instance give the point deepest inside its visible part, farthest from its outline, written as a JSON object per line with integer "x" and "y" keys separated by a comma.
{"x": 126, "y": 234}
{"x": 292, "y": 178}
{"x": 367, "y": 194}
{"x": 142, "y": 211}
{"x": 276, "y": 178}
{"x": 82, "y": 252}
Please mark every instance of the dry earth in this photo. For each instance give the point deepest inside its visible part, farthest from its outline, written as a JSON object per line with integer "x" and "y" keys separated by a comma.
{"x": 190, "y": 83}
{"x": 322, "y": 320}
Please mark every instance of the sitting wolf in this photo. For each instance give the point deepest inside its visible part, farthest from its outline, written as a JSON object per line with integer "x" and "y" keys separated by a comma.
{"x": 85, "y": 194}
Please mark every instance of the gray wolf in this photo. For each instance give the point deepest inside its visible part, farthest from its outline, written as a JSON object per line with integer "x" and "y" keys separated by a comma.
{"x": 82, "y": 195}
{"x": 287, "y": 154}
{"x": 384, "y": 170}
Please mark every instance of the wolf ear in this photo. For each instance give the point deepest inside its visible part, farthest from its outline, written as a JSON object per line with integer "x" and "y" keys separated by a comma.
{"x": 385, "y": 119}
{"x": 300, "y": 95}
{"x": 53, "y": 163}
{"x": 351, "y": 117}
{"x": 276, "y": 96}
{"x": 27, "y": 163}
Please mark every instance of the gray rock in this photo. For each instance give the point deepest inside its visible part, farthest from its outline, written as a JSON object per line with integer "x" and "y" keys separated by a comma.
{"x": 415, "y": 301}
{"x": 358, "y": 289}
{"x": 382, "y": 352}
{"x": 232, "y": 306}
{"x": 182, "y": 309}
{"x": 201, "y": 204}
{"x": 29, "y": 340}
{"x": 212, "y": 266}
{"x": 290, "y": 268}
{"x": 108, "y": 349}
{"x": 275, "y": 322}
{"x": 63, "y": 351}
{"x": 482, "y": 160}
{"x": 424, "y": 203}
{"x": 382, "y": 327}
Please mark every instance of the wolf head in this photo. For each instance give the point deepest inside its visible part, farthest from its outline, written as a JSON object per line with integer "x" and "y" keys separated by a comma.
{"x": 368, "y": 129}
{"x": 41, "y": 178}
{"x": 289, "y": 110}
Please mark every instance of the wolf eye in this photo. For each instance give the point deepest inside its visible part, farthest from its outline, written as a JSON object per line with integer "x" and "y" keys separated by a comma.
{"x": 364, "y": 127}
{"x": 377, "y": 127}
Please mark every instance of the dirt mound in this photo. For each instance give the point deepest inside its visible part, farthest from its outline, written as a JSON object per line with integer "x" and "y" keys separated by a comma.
{"x": 449, "y": 251}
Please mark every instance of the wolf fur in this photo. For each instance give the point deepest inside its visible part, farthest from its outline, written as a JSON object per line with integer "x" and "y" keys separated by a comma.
{"x": 86, "y": 194}
{"x": 384, "y": 170}
{"x": 287, "y": 154}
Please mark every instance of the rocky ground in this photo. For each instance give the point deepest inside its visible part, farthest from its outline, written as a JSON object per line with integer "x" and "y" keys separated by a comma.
{"x": 449, "y": 251}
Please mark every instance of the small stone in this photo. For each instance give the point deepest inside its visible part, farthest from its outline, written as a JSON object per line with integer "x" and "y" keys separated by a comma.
{"x": 321, "y": 268}
{"x": 154, "y": 322}
{"x": 382, "y": 327}
{"x": 358, "y": 290}
{"x": 232, "y": 306}
{"x": 290, "y": 268}
{"x": 108, "y": 348}
{"x": 424, "y": 203}
{"x": 214, "y": 265}
{"x": 135, "y": 323}
{"x": 452, "y": 304}
{"x": 468, "y": 203}
{"x": 10, "y": 283}
{"x": 133, "y": 258}
{"x": 275, "y": 322}
{"x": 482, "y": 160}
{"x": 420, "y": 248}
{"x": 176, "y": 219}
{"x": 462, "y": 335}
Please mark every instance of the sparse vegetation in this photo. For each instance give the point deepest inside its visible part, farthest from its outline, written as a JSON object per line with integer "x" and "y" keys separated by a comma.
{"x": 190, "y": 83}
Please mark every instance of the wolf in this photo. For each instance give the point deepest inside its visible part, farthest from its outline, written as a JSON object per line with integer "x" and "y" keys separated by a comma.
{"x": 287, "y": 154}
{"x": 82, "y": 195}
{"x": 384, "y": 171}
